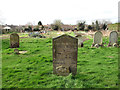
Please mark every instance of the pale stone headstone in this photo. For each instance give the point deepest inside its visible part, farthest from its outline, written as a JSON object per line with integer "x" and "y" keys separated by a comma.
{"x": 65, "y": 49}
{"x": 113, "y": 38}
{"x": 98, "y": 38}
{"x": 97, "y": 41}
{"x": 80, "y": 40}
{"x": 14, "y": 40}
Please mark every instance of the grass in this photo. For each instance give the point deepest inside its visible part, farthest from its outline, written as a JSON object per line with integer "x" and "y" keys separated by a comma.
{"x": 96, "y": 67}
{"x": 113, "y": 26}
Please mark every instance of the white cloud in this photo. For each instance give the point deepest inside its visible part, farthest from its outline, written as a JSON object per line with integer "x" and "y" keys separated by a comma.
{"x": 69, "y": 11}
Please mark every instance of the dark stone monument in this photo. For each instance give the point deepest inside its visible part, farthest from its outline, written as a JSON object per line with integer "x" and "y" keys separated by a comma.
{"x": 14, "y": 40}
{"x": 65, "y": 49}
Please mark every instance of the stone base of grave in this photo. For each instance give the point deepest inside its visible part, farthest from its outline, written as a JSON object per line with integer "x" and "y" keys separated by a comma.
{"x": 113, "y": 45}
{"x": 64, "y": 71}
{"x": 16, "y": 45}
{"x": 97, "y": 45}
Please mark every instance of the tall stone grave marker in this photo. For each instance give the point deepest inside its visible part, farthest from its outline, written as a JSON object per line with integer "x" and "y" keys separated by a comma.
{"x": 113, "y": 38}
{"x": 65, "y": 49}
{"x": 14, "y": 40}
{"x": 80, "y": 40}
{"x": 97, "y": 41}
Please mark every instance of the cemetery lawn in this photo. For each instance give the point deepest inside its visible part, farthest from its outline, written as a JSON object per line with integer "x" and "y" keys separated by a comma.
{"x": 96, "y": 67}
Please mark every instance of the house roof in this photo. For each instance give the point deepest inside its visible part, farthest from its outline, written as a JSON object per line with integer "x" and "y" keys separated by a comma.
{"x": 66, "y": 26}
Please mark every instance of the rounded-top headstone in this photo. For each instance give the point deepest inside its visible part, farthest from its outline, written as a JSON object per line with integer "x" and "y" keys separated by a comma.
{"x": 14, "y": 40}
{"x": 113, "y": 37}
{"x": 98, "y": 38}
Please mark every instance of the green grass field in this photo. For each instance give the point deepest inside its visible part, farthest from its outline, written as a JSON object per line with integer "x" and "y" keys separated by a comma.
{"x": 96, "y": 67}
{"x": 113, "y": 26}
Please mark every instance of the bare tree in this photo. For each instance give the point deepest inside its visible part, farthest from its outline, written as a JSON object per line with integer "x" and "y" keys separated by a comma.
{"x": 101, "y": 24}
{"x": 80, "y": 25}
{"x": 29, "y": 24}
{"x": 103, "y": 21}
{"x": 57, "y": 24}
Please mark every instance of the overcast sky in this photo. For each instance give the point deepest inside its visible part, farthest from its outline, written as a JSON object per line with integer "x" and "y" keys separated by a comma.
{"x": 20, "y": 12}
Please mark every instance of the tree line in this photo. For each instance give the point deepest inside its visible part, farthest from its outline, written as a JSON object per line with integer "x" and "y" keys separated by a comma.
{"x": 81, "y": 25}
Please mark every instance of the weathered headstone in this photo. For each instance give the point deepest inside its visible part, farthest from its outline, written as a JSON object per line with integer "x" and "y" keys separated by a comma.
{"x": 80, "y": 40}
{"x": 98, "y": 37}
{"x": 97, "y": 41}
{"x": 113, "y": 38}
{"x": 14, "y": 40}
{"x": 65, "y": 49}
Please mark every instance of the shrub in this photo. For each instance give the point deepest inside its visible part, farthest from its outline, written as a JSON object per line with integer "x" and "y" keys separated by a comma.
{"x": 36, "y": 35}
{"x": 104, "y": 26}
{"x": 36, "y": 29}
{"x": 39, "y": 23}
{"x": 89, "y": 27}
{"x": 80, "y": 25}
{"x": 97, "y": 25}
{"x": 56, "y": 25}
{"x": 28, "y": 29}
{"x": 86, "y": 30}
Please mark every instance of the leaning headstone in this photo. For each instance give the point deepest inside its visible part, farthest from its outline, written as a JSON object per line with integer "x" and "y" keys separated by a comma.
{"x": 97, "y": 41}
{"x": 14, "y": 40}
{"x": 65, "y": 49}
{"x": 113, "y": 39}
{"x": 80, "y": 40}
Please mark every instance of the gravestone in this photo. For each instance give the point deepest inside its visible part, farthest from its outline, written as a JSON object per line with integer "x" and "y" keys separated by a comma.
{"x": 65, "y": 49}
{"x": 97, "y": 41}
{"x": 98, "y": 37}
{"x": 14, "y": 40}
{"x": 113, "y": 38}
{"x": 80, "y": 40}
